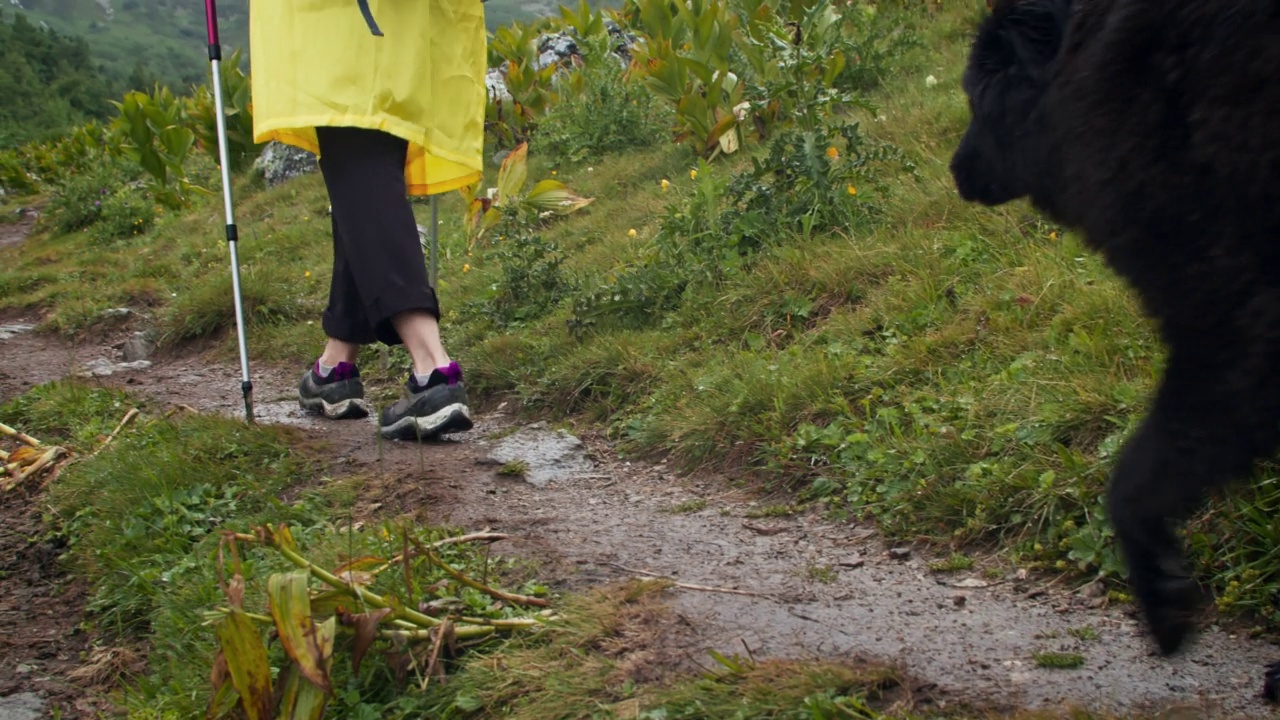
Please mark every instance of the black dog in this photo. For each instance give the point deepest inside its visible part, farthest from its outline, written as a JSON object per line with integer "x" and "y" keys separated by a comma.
{"x": 1153, "y": 127}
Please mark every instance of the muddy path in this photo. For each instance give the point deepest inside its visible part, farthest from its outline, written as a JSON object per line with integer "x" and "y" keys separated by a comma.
{"x": 798, "y": 586}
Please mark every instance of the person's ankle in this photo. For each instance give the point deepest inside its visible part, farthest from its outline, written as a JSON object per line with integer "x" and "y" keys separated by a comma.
{"x": 450, "y": 374}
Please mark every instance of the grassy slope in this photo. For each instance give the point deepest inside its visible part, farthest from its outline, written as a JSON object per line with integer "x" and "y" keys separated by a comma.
{"x": 955, "y": 372}
{"x": 169, "y": 39}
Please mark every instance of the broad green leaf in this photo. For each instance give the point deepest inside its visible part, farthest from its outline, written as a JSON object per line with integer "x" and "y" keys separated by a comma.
{"x": 291, "y": 608}
{"x": 246, "y": 658}
{"x": 556, "y": 196}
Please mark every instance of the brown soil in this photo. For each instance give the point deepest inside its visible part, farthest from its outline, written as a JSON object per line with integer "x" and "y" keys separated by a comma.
{"x": 801, "y": 586}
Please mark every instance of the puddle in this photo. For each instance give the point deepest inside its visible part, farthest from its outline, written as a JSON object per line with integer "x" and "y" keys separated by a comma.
{"x": 550, "y": 455}
{"x": 21, "y": 706}
{"x": 8, "y": 331}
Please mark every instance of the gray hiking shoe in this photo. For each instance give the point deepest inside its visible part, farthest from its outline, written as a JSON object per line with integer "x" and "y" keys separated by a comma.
{"x": 429, "y": 411}
{"x": 338, "y": 397}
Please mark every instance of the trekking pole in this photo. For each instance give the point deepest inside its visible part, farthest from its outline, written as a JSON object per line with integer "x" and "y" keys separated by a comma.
{"x": 215, "y": 59}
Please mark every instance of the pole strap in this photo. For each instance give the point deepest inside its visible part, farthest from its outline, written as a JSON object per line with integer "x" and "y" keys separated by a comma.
{"x": 368, "y": 17}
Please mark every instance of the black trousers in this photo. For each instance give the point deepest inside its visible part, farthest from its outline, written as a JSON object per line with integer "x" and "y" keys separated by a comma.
{"x": 378, "y": 265}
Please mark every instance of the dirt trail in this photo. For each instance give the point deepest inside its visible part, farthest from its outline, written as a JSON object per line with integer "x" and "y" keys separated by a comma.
{"x": 822, "y": 589}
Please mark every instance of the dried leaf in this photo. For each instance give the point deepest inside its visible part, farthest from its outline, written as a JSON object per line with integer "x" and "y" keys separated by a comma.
{"x": 360, "y": 562}
{"x": 303, "y": 700}
{"x": 24, "y": 455}
{"x": 366, "y": 631}
{"x": 355, "y": 577}
{"x": 246, "y": 659}
{"x": 291, "y": 608}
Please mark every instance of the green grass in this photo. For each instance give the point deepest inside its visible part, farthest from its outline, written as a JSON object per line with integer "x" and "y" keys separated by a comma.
{"x": 144, "y": 530}
{"x": 947, "y": 371}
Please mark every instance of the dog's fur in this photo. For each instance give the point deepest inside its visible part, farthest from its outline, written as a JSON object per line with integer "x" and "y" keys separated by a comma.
{"x": 1153, "y": 127}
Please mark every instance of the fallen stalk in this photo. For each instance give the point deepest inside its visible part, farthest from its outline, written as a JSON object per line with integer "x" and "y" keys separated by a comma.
{"x": 457, "y": 540}
{"x": 21, "y": 436}
{"x": 412, "y": 632}
{"x": 690, "y": 586}
{"x": 128, "y": 418}
{"x": 477, "y": 585}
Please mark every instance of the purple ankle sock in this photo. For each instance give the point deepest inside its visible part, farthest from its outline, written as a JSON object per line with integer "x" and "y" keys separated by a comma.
{"x": 343, "y": 371}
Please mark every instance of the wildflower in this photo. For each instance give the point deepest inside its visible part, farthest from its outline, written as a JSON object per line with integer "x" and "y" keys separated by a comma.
{"x": 1053, "y": 235}
{"x": 306, "y": 274}
{"x": 665, "y": 184}
{"x": 930, "y": 81}
{"x": 833, "y": 153}
{"x": 466, "y": 267}
{"x": 693, "y": 174}
{"x": 853, "y": 190}
{"x": 553, "y": 172}
{"x": 631, "y": 232}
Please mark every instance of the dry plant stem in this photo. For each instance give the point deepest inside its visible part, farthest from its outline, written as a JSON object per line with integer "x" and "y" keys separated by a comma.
{"x": 404, "y": 614}
{"x": 4, "y": 456}
{"x": 476, "y": 585}
{"x": 689, "y": 586}
{"x": 128, "y": 418}
{"x": 40, "y": 464}
{"x": 22, "y": 437}
{"x": 458, "y": 540}
{"x": 407, "y": 630}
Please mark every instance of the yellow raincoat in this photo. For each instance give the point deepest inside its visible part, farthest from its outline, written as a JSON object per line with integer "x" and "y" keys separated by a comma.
{"x": 319, "y": 63}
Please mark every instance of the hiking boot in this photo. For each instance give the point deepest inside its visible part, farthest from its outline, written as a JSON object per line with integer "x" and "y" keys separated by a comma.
{"x": 338, "y": 397}
{"x": 430, "y": 410}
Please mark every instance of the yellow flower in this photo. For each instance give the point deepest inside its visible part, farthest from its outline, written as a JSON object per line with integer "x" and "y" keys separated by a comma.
{"x": 306, "y": 274}
{"x": 466, "y": 268}
{"x": 833, "y": 153}
{"x": 631, "y": 232}
{"x": 665, "y": 184}
{"x": 553, "y": 172}
{"x": 693, "y": 174}
{"x": 853, "y": 190}
{"x": 1053, "y": 235}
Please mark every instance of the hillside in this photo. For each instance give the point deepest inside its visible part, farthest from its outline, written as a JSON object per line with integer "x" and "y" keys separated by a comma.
{"x": 138, "y": 42}
{"x": 833, "y": 442}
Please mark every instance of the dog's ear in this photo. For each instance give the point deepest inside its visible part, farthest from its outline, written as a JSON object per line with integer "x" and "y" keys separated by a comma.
{"x": 1033, "y": 29}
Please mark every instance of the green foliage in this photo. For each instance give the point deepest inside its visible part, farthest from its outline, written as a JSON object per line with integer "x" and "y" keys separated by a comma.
{"x": 126, "y": 212}
{"x": 154, "y": 133}
{"x": 34, "y": 167}
{"x": 511, "y": 121}
{"x": 78, "y": 203}
{"x": 241, "y": 150}
{"x": 49, "y": 84}
{"x": 609, "y": 112}
{"x": 532, "y": 281}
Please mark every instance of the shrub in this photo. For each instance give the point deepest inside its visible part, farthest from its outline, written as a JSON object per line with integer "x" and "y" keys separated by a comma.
{"x": 77, "y": 203}
{"x": 608, "y": 112}
{"x": 128, "y": 211}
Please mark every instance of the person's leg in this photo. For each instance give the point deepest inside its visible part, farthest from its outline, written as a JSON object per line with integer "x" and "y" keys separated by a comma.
{"x": 385, "y": 259}
{"x": 332, "y": 385}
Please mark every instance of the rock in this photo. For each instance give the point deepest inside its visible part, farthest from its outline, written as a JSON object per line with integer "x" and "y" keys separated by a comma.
{"x": 138, "y": 347}
{"x": 900, "y": 553}
{"x": 102, "y": 367}
{"x": 280, "y": 162}
{"x": 1095, "y": 589}
{"x": 116, "y": 312}
{"x": 8, "y": 331}
{"x": 495, "y": 81}
{"x": 959, "y": 600}
{"x": 971, "y": 583}
{"x": 853, "y": 563}
{"x": 499, "y": 158}
{"x": 556, "y": 49}
{"x": 21, "y": 706}
{"x": 547, "y": 455}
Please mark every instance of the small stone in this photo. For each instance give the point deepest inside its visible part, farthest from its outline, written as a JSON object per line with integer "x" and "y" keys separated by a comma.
{"x": 8, "y": 331}
{"x": 136, "y": 348}
{"x": 116, "y": 312}
{"x": 1094, "y": 589}
{"x": 971, "y": 583}
{"x": 959, "y": 600}
{"x": 853, "y": 563}
{"x": 900, "y": 553}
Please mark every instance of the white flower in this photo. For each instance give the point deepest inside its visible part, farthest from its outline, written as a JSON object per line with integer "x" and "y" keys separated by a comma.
{"x": 930, "y": 81}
